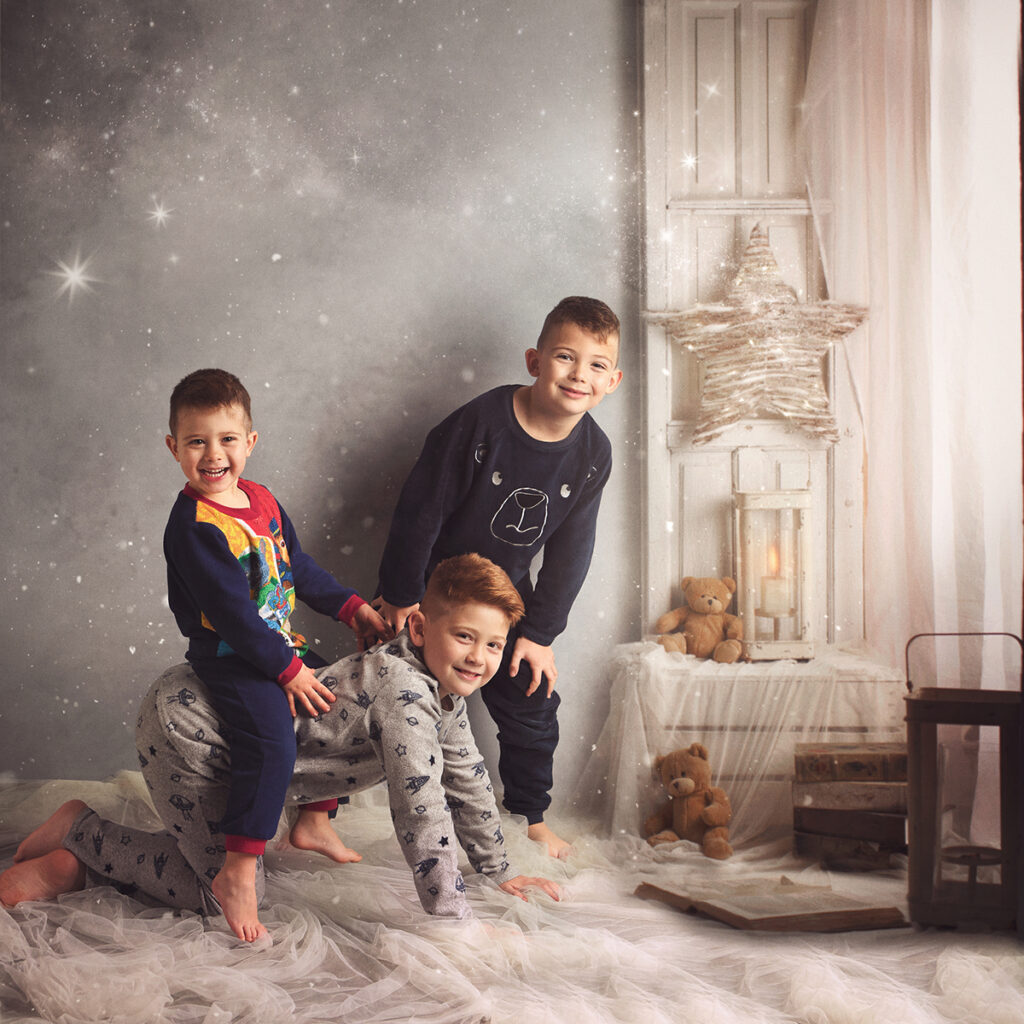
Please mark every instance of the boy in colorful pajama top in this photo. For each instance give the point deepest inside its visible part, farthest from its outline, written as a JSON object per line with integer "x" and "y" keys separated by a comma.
{"x": 399, "y": 714}
{"x": 519, "y": 469}
{"x": 234, "y": 571}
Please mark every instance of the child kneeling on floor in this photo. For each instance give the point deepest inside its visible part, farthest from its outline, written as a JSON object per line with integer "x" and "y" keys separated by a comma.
{"x": 399, "y": 716}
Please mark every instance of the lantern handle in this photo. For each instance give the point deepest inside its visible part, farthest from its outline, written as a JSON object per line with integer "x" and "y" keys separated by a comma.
{"x": 918, "y": 636}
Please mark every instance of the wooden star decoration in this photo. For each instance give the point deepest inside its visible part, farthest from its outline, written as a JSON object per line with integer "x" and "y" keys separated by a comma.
{"x": 761, "y": 350}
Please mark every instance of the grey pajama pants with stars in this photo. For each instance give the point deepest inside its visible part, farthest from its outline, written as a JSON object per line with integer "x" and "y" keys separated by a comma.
{"x": 172, "y": 868}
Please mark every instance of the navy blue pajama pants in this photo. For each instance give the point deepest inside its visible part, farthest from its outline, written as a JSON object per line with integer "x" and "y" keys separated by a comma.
{"x": 259, "y": 727}
{"x": 527, "y": 736}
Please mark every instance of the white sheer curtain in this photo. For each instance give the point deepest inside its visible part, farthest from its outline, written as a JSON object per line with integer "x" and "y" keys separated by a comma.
{"x": 911, "y": 130}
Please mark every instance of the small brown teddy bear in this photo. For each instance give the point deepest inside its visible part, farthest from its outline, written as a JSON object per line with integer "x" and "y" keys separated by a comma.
{"x": 705, "y": 628}
{"x": 695, "y": 810}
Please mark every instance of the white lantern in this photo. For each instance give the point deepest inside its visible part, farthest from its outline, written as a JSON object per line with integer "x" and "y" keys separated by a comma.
{"x": 773, "y": 545}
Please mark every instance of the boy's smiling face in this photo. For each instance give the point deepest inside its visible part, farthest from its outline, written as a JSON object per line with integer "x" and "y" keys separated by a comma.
{"x": 211, "y": 446}
{"x": 461, "y": 646}
{"x": 574, "y": 370}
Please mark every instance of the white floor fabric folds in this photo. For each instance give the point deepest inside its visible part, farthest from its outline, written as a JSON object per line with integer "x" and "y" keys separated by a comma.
{"x": 350, "y": 943}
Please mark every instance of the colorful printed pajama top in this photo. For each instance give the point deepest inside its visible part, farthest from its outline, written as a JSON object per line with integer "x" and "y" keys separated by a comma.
{"x": 233, "y": 575}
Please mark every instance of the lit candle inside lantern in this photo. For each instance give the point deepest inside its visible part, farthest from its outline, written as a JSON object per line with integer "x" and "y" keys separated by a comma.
{"x": 774, "y": 589}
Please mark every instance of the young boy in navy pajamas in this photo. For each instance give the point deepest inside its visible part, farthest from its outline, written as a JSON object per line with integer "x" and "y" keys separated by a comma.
{"x": 234, "y": 571}
{"x": 518, "y": 469}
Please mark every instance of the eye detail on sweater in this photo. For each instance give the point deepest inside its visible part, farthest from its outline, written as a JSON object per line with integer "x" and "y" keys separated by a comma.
{"x": 565, "y": 491}
{"x": 496, "y": 479}
{"x": 481, "y": 453}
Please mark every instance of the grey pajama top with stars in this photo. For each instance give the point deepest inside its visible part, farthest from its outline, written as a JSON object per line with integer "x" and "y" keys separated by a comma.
{"x": 387, "y": 724}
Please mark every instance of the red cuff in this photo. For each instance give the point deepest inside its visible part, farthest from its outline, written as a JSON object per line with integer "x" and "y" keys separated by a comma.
{"x": 243, "y": 844}
{"x": 349, "y": 608}
{"x": 320, "y": 805}
{"x": 291, "y": 671}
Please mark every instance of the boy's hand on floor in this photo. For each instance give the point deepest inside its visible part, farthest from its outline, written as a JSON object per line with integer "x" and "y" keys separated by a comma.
{"x": 517, "y": 886}
{"x": 308, "y": 692}
{"x": 369, "y": 627}
{"x": 541, "y": 660}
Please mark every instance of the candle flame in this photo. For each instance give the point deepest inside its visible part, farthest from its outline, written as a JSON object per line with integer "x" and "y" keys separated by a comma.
{"x": 773, "y": 561}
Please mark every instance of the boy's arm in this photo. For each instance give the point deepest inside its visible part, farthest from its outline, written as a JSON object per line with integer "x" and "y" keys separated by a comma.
{"x": 471, "y": 799}
{"x": 319, "y": 589}
{"x": 405, "y": 718}
{"x": 432, "y": 491}
{"x": 314, "y": 585}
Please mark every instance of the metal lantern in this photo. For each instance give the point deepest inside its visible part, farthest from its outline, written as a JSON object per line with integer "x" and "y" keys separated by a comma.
{"x": 773, "y": 546}
{"x": 953, "y": 876}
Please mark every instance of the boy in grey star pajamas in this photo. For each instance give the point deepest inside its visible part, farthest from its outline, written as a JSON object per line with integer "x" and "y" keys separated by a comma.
{"x": 394, "y": 720}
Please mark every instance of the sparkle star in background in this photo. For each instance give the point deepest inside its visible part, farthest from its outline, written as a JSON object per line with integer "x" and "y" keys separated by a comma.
{"x": 159, "y": 214}
{"x": 74, "y": 277}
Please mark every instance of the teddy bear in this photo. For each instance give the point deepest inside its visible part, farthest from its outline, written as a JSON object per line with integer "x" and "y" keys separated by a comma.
{"x": 702, "y": 625}
{"x": 695, "y": 810}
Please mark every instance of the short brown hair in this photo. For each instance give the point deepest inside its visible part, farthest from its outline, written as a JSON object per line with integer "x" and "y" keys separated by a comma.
{"x": 471, "y": 579}
{"x": 591, "y": 315}
{"x": 208, "y": 389}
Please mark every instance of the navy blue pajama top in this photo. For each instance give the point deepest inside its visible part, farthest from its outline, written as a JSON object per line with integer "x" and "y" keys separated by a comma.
{"x": 482, "y": 484}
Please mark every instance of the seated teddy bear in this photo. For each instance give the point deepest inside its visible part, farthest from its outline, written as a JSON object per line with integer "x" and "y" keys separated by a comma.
{"x": 702, "y": 625}
{"x": 695, "y": 810}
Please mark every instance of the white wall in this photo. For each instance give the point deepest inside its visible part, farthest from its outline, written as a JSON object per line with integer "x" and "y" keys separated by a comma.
{"x": 372, "y": 207}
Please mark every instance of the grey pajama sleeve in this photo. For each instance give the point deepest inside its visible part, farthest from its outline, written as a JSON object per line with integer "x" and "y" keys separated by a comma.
{"x": 471, "y": 800}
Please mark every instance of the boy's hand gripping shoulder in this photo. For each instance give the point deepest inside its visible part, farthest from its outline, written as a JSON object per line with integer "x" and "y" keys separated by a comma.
{"x": 369, "y": 627}
{"x": 394, "y": 616}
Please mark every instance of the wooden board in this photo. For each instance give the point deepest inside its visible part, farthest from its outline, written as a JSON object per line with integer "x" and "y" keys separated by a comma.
{"x": 865, "y": 796}
{"x": 850, "y": 762}
{"x": 782, "y": 906}
{"x": 878, "y": 826}
{"x": 838, "y": 853}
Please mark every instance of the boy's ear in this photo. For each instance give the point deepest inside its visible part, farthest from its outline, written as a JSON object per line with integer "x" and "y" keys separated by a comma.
{"x": 172, "y": 445}
{"x": 533, "y": 362}
{"x": 415, "y": 623}
{"x": 250, "y": 442}
{"x": 613, "y": 381}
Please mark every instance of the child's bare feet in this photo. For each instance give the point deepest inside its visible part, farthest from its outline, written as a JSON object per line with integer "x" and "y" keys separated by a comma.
{"x": 50, "y": 835}
{"x": 557, "y": 847}
{"x": 235, "y": 889}
{"x": 42, "y": 878}
{"x": 313, "y": 831}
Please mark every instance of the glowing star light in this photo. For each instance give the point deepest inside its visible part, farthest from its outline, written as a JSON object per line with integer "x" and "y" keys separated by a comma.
{"x": 160, "y": 214}
{"x": 74, "y": 277}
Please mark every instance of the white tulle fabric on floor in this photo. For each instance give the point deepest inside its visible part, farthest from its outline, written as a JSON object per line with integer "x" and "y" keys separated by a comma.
{"x": 350, "y": 943}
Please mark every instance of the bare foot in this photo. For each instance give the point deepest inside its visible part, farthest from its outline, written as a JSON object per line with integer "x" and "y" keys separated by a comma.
{"x": 50, "y": 835}
{"x": 235, "y": 889}
{"x": 42, "y": 878}
{"x": 557, "y": 847}
{"x": 313, "y": 831}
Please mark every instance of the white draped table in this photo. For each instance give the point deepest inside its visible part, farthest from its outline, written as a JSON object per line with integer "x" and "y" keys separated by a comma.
{"x": 750, "y": 716}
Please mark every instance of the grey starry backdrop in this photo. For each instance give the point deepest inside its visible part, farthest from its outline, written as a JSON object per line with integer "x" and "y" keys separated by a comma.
{"x": 364, "y": 209}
